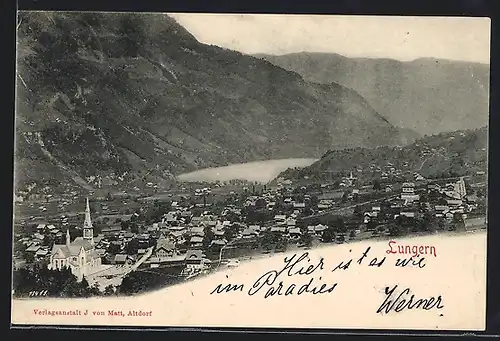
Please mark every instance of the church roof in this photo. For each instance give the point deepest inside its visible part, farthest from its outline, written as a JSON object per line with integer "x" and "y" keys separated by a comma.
{"x": 74, "y": 247}
{"x": 63, "y": 248}
{"x": 94, "y": 254}
{"x": 80, "y": 242}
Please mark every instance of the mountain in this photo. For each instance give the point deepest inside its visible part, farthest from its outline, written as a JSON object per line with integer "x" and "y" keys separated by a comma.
{"x": 135, "y": 97}
{"x": 426, "y": 95}
{"x": 457, "y": 153}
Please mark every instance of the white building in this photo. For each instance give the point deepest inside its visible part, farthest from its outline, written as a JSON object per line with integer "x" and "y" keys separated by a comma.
{"x": 408, "y": 192}
{"x": 79, "y": 255}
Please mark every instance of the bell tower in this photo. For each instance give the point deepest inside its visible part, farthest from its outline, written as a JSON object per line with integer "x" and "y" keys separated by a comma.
{"x": 88, "y": 230}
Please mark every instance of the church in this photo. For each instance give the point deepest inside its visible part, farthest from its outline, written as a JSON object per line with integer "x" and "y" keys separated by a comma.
{"x": 79, "y": 255}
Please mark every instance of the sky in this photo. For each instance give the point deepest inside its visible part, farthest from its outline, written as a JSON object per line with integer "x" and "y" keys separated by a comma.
{"x": 401, "y": 38}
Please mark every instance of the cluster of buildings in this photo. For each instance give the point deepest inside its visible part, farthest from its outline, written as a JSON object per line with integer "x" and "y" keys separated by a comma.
{"x": 448, "y": 202}
{"x": 189, "y": 235}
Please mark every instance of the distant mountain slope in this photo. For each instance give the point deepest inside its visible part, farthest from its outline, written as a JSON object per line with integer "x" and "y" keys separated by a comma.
{"x": 446, "y": 154}
{"x": 137, "y": 97}
{"x": 426, "y": 95}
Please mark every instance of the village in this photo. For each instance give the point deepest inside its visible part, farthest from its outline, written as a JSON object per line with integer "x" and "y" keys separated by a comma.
{"x": 214, "y": 225}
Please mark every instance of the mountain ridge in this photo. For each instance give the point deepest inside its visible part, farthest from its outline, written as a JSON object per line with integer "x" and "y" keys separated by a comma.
{"x": 427, "y": 95}
{"x": 136, "y": 98}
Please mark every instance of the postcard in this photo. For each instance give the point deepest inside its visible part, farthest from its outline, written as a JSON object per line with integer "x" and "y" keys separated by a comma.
{"x": 274, "y": 171}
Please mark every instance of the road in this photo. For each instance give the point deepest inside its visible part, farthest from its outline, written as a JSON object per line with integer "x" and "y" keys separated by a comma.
{"x": 422, "y": 165}
{"x": 339, "y": 209}
{"x": 118, "y": 272}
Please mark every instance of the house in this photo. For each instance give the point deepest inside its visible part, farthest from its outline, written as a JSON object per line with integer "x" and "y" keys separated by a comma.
{"x": 291, "y": 222}
{"x": 178, "y": 228}
{"x": 249, "y": 233}
{"x": 196, "y": 241}
{"x": 280, "y": 218}
{"x": 122, "y": 259}
{"x": 164, "y": 248}
{"x": 33, "y": 248}
{"x": 454, "y": 202}
{"x": 320, "y": 228}
{"x": 408, "y": 187}
{"x": 408, "y": 214}
{"x": 299, "y": 205}
{"x": 471, "y": 198}
{"x": 280, "y": 229}
{"x": 178, "y": 236}
{"x": 197, "y": 231}
{"x": 39, "y": 236}
{"x": 408, "y": 192}
{"x": 218, "y": 242}
{"x": 195, "y": 259}
{"x": 255, "y": 227}
{"x": 294, "y": 232}
{"x": 433, "y": 187}
{"x": 196, "y": 221}
{"x": 219, "y": 233}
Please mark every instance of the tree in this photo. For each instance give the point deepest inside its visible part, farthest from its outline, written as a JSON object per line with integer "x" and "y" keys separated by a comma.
{"x": 377, "y": 186}
{"x": 458, "y": 222}
{"x": 358, "y": 211}
{"x": 29, "y": 257}
{"x": 328, "y": 235}
{"x": 109, "y": 290}
{"x": 132, "y": 247}
{"x": 395, "y": 230}
{"x": 268, "y": 239}
{"x": 371, "y": 225}
{"x": 230, "y": 232}
{"x": 113, "y": 249}
{"x": 339, "y": 225}
{"x": 305, "y": 239}
{"x": 208, "y": 237}
{"x": 134, "y": 228}
{"x": 125, "y": 225}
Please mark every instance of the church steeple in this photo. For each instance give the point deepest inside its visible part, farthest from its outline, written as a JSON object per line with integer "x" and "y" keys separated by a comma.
{"x": 68, "y": 238}
{"x": 88, "y": 231}
{"x": 88, "y": 222}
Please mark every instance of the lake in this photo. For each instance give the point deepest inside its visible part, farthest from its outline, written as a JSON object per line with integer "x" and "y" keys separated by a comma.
{"x": 258, "y": 171}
